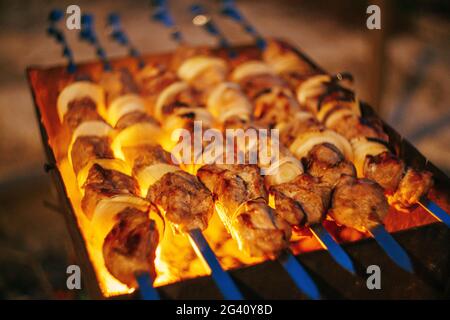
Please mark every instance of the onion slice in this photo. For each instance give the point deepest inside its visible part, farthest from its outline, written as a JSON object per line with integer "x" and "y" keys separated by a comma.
{"x": 363, "y": 148}
{"x": 251, "y": 68}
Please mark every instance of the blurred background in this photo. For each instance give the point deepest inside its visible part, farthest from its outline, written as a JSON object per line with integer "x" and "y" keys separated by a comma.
{"x": 402, "y": 70}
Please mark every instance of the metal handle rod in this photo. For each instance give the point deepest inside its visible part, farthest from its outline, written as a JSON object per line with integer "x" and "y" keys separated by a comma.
{"x": 392, "y": 248}
{"x": 54, "y": 18}
{"x": 436, "y": 211}
{"x": 222, "y": 279}
{"x": 230, "y": 10}
{"x": 299, "y": 275}
{"x": 202, "y": 18}
{"x": 88, "y": 34}
{"x": 339, "y": 255}
{"x": 118, "y": 35}
{"x": 146, "y": 289}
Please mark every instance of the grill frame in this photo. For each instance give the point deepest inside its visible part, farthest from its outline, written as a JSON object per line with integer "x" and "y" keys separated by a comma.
{"x": 333, "y": 282}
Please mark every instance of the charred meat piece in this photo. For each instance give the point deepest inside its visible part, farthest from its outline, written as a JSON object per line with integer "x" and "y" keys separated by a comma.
{"x": 358, "y": 203}
{"x": 252, "y": 86}
{"x": 259, "y": 230}
{"x": 274, "y": 106}
{"x": 87, "y": 148}
{"x": 134, "y": 117}
{"x": 129, "y": 248}
{"x": 292, "y": 129}
{"x": 240, "y": 189}
{"x": 233, "y": 184}
{"x": 302, "y": 201}
{"x": 352, "y": 126}
{"x": 81, "y": 110}
{"x": 187, "y": 204}
{"x": 385, "y": 169}
{"x": 144, "y": 155}
{"x": 117, "y": 83}
{"x": 104, "y": 183}
{"x": 154, "y": 78}
{"x": 327, "y": 163}
{"x": 413, "y": 186}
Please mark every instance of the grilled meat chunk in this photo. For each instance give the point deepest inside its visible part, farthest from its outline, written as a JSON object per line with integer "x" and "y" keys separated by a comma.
{"x": 259, "y": 230}
{"x": 352, "y": 126}
{"x": 129, "y": 248}
{"x": 290, "y": 130}
{"x": 274, "y": 106}
{"x": 144, "y": 155}
{"x": 134, "y": 117}
{"x": 327, "y": 163}
{"x": 413, "y": 186}
{"x": 385, "y": 169}
{"x": 252, "y": 86}
{"x": 104, "y": 183}
{"x": 117, "y": 83}
{"x": 302, "y": 201}
{"x": 154, "y": 78}
{"x": 184, "y": 199}
{"x": 358, "y": 203}
{"x": 87, "y": 148}
{"x": 240, "y": 190}
{"x": 81, "y": 110}
{"x": 233, "y": 184}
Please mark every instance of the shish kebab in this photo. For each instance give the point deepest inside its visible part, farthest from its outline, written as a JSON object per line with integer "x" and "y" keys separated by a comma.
{"x": 161, "y": 181}
{"x": 305, "y": 200}
{"x": 337, "y": 108}
{"x": 241, "y": 202}
{"x": 125, "y": 229}
{"x": 260, "y": 83}
{"x": 409, "y": 190}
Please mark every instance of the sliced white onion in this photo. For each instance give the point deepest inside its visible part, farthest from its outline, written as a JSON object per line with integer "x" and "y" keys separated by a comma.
{"x": 123, "y": 105}
{"x": 251, "y": 68}
{"x": 363, "y": 148}
{"x": 151, "y": 174}
{"x": 92, "y": 128}
{"x": 195, "y": 65}
{"x": 284, "y": 170}
{"x": 134, "y": 135}
{"x": 166, "y": 94}
{"x": 78, "y": 90}
{"x": 238, "y": 106}
{"x": 311, "y": 87}
{"x": 305, "y": 142}
{"x": 108, "y": 164}
{"x": 104, "y": 216}
{"x": 285, "y": 63}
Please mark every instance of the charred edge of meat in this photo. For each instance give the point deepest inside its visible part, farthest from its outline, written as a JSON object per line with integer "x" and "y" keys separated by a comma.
{"x": 386, "y": 169}
{"x": 129, "y": 248}
{"x": 342, "y": 93}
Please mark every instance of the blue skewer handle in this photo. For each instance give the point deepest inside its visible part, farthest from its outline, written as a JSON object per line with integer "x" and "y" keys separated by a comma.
{"x": 392, "y": 248}
{"x": 161, "y": 14}
{"x": 436, "y": 211}
{"x": 230, "y": 10}
{"x": 146, "y": 289}
{"x": 88, "y": 34}
{"x": 54, "y": 18}
{"x": 118, "y": 35}
{"x": 339, "y": 255}
{"x": 300, "y": 276}
{"x": 222, "y": 279}
{"x": 211, "y": 28}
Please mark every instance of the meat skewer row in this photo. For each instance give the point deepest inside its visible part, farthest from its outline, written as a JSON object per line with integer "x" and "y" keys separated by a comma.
{"x": 182, "y": 198}
{"x": 233, "y": 109}
{"x": 373, "y": 158}
{"x": 323, "y": 149}
{"x": 123, "y": 230}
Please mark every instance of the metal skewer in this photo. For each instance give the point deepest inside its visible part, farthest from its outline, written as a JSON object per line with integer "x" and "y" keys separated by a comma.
{"x": 54, "y": 17}
{"x": 146, "y": 289}
{"x": 392, "y": 248}
{"x": 223, "y": 280}
{"x": 432, "y": 208}
{"x": 118, "y": 35}
{"x": 322, "y": 235}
